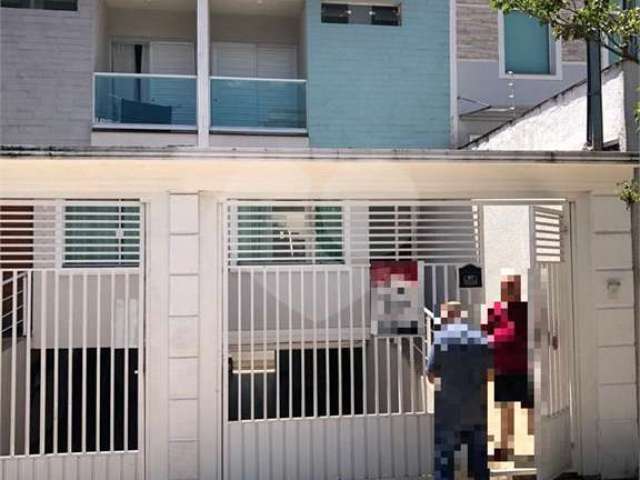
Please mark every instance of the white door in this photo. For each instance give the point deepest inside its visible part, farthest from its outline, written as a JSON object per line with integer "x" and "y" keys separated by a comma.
{"x": 176, "y": 94}
{"x": 233, "y": 59}
{"x": 551, "y": 314}
{"x": 172, "y": 58}
{"x": 277, "y": 61}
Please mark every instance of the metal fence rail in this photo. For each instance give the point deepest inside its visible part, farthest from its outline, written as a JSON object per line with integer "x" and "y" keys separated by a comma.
{"x": 71, "y": 350}
{"x": 300, "y": 345}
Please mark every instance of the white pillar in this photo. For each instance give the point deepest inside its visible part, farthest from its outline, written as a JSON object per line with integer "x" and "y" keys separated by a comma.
{"x": 203, "y": 73}
{"x": 453, "y": 74}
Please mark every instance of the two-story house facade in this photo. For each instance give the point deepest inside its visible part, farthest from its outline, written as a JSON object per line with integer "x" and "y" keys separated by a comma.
{"x": 195, "y": 198}
{"x": 271, "y": 68}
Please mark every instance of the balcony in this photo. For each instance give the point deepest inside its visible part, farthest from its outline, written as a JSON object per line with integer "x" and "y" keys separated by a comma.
{"x": 145, "y": 101}
{"x": 145, "y": 85}
{"x": 258, "y": 105}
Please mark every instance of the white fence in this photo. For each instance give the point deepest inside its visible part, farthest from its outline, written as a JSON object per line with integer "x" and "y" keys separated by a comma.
{"x": 310, "y": 391}
{"x": 71, "y": 353}
{"x": 71, "y": 383}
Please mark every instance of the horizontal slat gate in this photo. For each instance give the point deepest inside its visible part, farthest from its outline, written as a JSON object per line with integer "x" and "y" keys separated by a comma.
{"x": 552, "y": 311}
{"x": 71, "y": 383}
{"x": 310, "y": 391}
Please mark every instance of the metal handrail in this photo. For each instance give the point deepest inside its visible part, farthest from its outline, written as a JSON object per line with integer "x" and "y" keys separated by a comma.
{"x": 10, "y": 297}
{"x": 142, "y": 75}
{"x": 12, "y": 279}
{"x": 10, "y": 327}
{"x": 20, "y": 307}
{"x": 260, "y": 79}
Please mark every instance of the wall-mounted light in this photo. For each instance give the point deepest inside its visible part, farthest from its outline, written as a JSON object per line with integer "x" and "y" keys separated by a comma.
{"x": 613, "y": 287}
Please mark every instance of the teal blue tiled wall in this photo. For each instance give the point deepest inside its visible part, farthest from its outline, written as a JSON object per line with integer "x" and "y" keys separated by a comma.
{"x": 372, "y": 86}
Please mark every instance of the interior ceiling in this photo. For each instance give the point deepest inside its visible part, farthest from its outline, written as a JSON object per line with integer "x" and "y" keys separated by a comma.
{"x": 283, "y": 8}
{"x": 170, "y": 5}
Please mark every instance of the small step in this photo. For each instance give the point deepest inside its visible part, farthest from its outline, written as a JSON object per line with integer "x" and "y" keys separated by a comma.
{"x": 520, "y": 473}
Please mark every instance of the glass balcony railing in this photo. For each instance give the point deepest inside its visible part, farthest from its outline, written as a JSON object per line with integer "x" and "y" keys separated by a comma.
{"x": 248, "y": 104}
{"x": 123, "y": 99}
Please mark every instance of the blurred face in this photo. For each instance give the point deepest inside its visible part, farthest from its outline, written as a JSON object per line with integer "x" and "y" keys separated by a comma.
{"x": 452, "y": 313}
{"x": 510, "y": 288}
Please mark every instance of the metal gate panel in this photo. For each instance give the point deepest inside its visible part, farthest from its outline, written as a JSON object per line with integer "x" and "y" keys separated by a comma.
{"x": 309, "y": 391}
{"x": 551, "y": 310}
{"x": 72, "y": 389}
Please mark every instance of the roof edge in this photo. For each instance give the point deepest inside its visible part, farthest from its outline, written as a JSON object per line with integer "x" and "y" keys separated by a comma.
{"x": 615, "y": 67}
{"x": 275, "y": 154}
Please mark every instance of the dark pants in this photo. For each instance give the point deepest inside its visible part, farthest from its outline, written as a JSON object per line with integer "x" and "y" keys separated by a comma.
{"x": 448, "y": 440}
{"x": 460, "y": 414}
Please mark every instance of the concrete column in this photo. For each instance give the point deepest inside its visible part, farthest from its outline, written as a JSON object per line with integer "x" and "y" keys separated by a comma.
{"x": 157, "y": 338}
{"x": 203, "y": 73}
{"x": 183, "y": 323}
{"x": 612, "y": 277}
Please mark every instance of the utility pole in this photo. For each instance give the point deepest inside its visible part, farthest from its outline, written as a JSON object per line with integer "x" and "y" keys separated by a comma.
{"x": 631, "y": 72}
{"x": 594, "y": 95}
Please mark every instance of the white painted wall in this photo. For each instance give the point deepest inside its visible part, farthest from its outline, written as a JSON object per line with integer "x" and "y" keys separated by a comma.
{"x": 117, "y": 138}
{"x": 506, "y": 243}
{"x": 478, "y": 80}
{"x": 259, "y": 141}
{"x": 560, "y": 123}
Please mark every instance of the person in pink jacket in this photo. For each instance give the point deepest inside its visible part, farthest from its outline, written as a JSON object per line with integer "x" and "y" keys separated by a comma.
{"x": 508, "y": 338}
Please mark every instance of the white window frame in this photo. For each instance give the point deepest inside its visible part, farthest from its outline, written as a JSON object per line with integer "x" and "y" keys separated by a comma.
{"x": 555, "y": 57}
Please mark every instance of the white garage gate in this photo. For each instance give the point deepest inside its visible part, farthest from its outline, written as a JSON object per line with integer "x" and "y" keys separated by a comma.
{"x": 71, "y": 396}
{"x": 310, "y": 390}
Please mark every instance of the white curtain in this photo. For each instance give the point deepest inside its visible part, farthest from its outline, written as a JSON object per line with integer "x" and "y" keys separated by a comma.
{"x": 123, "y": 58}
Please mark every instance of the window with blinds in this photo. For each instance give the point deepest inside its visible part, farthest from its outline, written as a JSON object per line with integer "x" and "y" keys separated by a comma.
{"x": 101, "y": 235}
{"x": 352, "y": 232}
{"x": 432, "y": 232}
{"x": 70, "y": 233}
{"x": 254, "y": 60}
{"x": 286, "y": 234}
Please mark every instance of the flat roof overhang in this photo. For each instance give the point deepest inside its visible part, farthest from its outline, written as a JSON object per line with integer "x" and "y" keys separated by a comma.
{"x": 311, "y": 173}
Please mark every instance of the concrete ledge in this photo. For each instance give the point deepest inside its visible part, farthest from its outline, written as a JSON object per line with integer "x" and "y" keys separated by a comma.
{"x": 312, "y": 154}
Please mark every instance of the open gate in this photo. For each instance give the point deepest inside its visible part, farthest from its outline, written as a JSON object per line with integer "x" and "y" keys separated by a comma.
{"x": 71, "y": 383}
{"x": 551, "y": 312}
